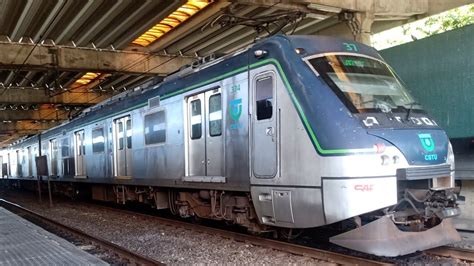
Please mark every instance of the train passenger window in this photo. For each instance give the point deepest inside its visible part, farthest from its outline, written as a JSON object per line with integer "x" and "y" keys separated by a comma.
{"x": 196, "y": 119}
{"x": 155, "y": 128}
{"x": 120, "y": 135}
{"x": 65, "y": 147}
{"x": 264, "y": 98}
{"x": 80, "y": 145}
{"x": 215, "y": 115}
{"x": 98, "y": 141}
{"x": 54, "y": 146}
{"x": 129, "y": 134}
{"x": 83, "y": 144}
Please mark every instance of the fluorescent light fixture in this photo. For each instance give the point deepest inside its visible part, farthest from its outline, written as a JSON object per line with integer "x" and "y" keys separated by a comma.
{"x": 86, "y": 79}
{"x": 325, "y": 8}
{"x": 317, "y": 16}
{"x": 184, "y": 12}
{"x": 173, "y": 20}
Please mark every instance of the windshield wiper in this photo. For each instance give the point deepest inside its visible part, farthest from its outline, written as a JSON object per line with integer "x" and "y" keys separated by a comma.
{"x": 409, "y": 109}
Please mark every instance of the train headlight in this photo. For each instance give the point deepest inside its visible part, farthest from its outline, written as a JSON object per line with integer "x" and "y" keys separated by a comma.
{"x": 385, "y": 159}
{"x": 260, "y": 53}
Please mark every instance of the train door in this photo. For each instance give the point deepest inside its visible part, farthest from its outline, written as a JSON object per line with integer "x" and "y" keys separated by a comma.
{"x": 79, "y": 153}
{"x": 123, "y": 147}
{"x": 264, "y": 130}
{"x": 205, "y": 140}
{"x": 53, "y": 150}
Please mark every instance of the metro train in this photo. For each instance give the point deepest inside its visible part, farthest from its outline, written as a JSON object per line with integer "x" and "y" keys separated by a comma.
{"x": 291, "y": 132}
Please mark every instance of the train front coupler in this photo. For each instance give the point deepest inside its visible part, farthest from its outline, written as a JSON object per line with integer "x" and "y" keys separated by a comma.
{"x": 421, "y": 220}
{"x": 426, "y": 206}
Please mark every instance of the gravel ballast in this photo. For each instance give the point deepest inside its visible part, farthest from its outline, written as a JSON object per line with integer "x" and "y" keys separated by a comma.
{"x": 167, "y": 244}
{"x": 175, "y": 245}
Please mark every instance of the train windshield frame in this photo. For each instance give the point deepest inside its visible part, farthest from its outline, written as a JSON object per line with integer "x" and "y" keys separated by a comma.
{"x": 365, "y": 84}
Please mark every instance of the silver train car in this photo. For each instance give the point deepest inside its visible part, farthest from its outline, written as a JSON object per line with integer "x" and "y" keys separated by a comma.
{"x": 291, "y": 132}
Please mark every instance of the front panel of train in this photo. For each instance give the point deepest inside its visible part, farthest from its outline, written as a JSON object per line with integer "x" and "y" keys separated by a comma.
{"x": 408, "y": 145}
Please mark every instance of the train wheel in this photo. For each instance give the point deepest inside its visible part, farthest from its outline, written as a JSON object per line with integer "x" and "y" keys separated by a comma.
{"x": 172, "y": 198}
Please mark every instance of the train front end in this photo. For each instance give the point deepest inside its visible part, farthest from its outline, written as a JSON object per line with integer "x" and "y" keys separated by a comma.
{"x": 388, "y": 166}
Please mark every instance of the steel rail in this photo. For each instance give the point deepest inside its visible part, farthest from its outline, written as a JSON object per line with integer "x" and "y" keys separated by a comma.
{"x": 452, "y": 252}
{"x": 121, "y": 252}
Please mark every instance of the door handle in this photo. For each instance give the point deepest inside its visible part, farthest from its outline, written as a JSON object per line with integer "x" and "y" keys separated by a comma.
{"x": 208, "y": 161}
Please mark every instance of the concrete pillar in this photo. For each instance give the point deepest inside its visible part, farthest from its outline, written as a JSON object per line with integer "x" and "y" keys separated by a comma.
{"x": 467, "y": 191}
{"x": 353, "y": 26}
{"x": 364, "y": 20}
{"x": 466, "y": 219}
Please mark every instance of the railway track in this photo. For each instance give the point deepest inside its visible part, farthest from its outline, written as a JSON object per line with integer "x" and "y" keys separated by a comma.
{"x": 124, "y": 255}
{"x": 451, "y": 252}
{"x": 456, "y": 252}
{"x": 315, "y": 253}
{"x": 319, "y": 254}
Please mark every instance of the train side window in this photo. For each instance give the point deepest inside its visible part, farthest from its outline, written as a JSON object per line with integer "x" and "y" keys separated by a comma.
{"x": 264, "y": 98}
{"x": 196, "y": 119}
{"x": 80, "y": 145}
{"x": 155, "y": 128}
{"x": 215, "y": 115}
{"x": 98, "y": 141}
{"x": 120, "y": 135}
{"x": 129, "y": 134}
{"x": 65, "y": 147}
{"x": 83, "y": 144}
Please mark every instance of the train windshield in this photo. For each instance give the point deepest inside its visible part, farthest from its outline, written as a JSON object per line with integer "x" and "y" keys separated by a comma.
{"x": 364, "y": 84}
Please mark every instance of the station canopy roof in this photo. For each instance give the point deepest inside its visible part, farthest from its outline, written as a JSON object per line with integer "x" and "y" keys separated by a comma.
{"x": 58, "y": 57}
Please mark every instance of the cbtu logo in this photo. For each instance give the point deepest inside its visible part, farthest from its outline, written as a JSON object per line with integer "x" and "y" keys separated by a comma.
{"x": 428, "y": 144}
{"x": 235, "y": 109}
{"x": 431, "y": 157}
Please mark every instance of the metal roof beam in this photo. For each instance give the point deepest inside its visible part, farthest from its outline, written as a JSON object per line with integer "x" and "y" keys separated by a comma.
{"x": 192, "y": 24}
{"x": 32, "y": 96}
{"x": 40, "y": 114}
{"x": 11, "y": 131}
{"x": 15, "y": 126}
{"x": 65, "y": 58}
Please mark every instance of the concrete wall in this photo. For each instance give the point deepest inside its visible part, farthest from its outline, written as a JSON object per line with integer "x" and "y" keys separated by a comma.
{"x": 466, "y": 220}
{"x": 439, "y": 71}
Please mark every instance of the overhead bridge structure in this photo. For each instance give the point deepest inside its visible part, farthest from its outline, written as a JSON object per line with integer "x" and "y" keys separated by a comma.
{"x": 58, "y": 57}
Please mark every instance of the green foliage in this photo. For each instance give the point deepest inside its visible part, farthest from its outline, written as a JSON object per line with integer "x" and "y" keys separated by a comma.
{"x": 453, "y": 19}
{"x": 448, "y": 20}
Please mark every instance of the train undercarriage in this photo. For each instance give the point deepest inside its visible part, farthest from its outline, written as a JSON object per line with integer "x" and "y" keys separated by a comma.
{"x": 419, "y": 221}
{"x": 231, "y": 207}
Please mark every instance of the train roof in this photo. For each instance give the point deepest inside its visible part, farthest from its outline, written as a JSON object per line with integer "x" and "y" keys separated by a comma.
{"x": 324, "y": 44}
{"x": 174, "y": 83}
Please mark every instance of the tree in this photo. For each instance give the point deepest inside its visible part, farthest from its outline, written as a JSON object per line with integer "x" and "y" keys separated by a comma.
{"x": 453, "y": 19}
